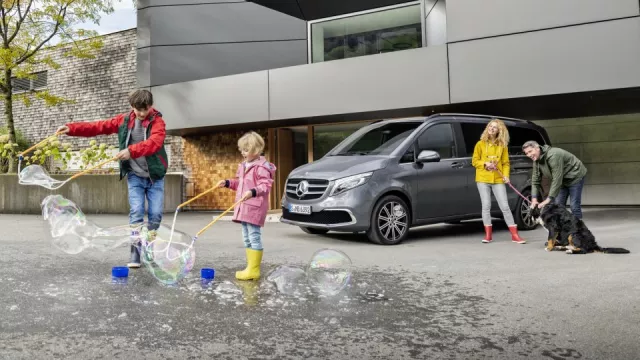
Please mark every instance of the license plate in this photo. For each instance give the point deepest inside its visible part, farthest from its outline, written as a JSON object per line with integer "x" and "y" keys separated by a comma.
{"x": 300, "y": 209}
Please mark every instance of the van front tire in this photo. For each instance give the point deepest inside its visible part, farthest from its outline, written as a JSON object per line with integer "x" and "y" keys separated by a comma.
{"x": 390, "y": 221}
{"x": 521, "y": 215}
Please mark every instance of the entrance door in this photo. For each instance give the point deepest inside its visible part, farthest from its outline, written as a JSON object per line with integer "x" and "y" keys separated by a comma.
{"x": 284, "y": 160}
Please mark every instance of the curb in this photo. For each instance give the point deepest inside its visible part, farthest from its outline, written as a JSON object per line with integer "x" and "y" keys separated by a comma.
{"x": 271, "y": 218}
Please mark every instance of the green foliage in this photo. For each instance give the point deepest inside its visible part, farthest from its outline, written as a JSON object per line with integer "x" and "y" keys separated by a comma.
{"x": 95, "y": 154}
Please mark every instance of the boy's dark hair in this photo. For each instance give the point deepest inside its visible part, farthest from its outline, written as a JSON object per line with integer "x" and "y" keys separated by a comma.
{"x": 141, "y": 99}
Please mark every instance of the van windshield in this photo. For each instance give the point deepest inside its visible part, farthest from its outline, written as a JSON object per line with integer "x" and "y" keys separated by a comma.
{"x": 380, "y": 140}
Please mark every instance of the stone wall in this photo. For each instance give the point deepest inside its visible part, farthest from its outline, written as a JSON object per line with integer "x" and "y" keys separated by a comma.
{"x": 608, "y": 146}
{"x": 99, "y": 88}
{"x": 208, "y": 159}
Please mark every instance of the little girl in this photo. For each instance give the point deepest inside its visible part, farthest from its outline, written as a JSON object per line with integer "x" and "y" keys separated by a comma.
{"x": 252, "y": 184}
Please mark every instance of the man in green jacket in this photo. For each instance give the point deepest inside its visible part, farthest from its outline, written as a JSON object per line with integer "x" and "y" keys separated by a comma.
{"x": 565, "y": 170}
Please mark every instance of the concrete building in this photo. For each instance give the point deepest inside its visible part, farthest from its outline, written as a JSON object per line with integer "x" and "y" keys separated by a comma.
{"x": 306, "y": 73}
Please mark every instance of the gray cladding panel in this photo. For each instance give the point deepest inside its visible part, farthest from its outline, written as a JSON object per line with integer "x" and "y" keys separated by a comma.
{"x": 143, "y": 67}
{"x": 143, "y": 28}
{"x": 172, "y": 64}
{"x": 221, "y": 23}
{"x": 224, "y": 100}
{"x": 403, "y": 79}
{"x": 588, "y": 57}
{"x": 472, "y": 19}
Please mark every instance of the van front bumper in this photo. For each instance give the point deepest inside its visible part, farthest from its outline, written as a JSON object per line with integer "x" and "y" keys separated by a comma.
{"x": 348, "y": 211}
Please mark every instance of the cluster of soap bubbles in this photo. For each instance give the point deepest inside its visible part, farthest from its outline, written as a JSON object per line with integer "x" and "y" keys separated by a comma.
{"x": 327, "y": 274}
{"x": 168, "y": 254}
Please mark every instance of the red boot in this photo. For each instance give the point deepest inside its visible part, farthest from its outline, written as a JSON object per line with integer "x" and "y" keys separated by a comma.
{"x": 514, "y": 235}
{"x": 487, "y": 231}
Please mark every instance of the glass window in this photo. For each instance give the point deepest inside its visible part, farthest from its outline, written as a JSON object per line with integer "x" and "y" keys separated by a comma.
{"x": 366, "y": 34}
{"x": 438, "y": 138}
{"x": 326, "y": 137}
{"x": 471, "y": 133}
{"x": 379, "y": 140}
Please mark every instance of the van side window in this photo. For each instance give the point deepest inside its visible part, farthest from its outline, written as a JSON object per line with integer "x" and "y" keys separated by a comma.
{"x": 438, "y": 138}
{"x": 471, "y": 133}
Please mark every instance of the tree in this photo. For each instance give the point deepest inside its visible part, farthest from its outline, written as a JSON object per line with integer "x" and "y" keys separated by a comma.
{"x": 26, "y": 26}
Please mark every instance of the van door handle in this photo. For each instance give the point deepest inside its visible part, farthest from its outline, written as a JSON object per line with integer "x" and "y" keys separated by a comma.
{"x": 457, "y": 165}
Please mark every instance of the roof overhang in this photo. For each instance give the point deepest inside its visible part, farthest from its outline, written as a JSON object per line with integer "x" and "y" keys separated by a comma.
{"x": 319, "y": 9}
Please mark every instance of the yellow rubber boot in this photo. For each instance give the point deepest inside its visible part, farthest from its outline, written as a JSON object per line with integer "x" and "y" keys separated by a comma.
{"x": 252, "y": 271}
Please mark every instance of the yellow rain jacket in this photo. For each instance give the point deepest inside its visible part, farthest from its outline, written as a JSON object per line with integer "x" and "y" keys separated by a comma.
{"x": 488, "y": 152}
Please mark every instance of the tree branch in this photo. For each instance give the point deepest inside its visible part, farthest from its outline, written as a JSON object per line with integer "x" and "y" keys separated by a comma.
{"x": 62, "y": 13}
{"x": 3, "y": 31}
{"x": 21, "y": 19}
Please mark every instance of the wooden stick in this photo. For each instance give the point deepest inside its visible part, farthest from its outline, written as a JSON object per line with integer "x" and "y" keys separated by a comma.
{"x": 41, "y": 142}
{"x": 218, "y": 218}
{"x": 92, "y": 168}
{"x": 196, "y": 197}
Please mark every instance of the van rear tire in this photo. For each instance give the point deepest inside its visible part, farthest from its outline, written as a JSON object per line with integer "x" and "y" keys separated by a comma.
{"x": 390, "y": 221}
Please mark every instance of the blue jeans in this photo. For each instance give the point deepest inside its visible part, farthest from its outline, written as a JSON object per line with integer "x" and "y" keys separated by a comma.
{"x": 141, "y": 189}
{"x": 251, "y": 234}
{"x": 575, "y": 193}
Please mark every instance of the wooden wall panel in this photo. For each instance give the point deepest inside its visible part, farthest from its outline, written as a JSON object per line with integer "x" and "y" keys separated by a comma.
{"x": 210, "y": 158}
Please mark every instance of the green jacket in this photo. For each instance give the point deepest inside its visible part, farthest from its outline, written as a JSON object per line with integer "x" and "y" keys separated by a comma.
{"x": 561, "y": 166}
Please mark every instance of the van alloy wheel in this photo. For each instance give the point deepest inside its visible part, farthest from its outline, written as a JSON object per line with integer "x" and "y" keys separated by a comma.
{"x": 390, "y": 221}
{"x": 522, "y": 215}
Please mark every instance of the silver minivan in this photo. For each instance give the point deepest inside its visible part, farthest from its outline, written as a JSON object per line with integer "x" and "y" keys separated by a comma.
{"x": 396, "y": 174}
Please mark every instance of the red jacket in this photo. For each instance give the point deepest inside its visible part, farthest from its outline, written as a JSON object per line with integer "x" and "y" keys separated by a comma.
{"x": 108, "y": 127}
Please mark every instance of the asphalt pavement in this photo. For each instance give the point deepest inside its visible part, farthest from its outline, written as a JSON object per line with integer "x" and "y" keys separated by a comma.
{"x": 440, "y": 295}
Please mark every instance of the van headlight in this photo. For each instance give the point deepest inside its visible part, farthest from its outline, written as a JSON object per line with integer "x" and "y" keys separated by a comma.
{"x": 349, "y": 183}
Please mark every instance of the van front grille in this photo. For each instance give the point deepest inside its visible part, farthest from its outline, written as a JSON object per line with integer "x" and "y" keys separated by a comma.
{"x": 315, "y": 188}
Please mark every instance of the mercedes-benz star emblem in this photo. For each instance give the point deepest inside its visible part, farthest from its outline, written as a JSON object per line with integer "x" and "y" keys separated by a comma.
{"x": 302, "y": 188}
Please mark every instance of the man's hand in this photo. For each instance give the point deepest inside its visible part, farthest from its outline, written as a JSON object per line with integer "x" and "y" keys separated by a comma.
{"x": 63, "y": 129}
{"x": 221, "y": 183}
{"x": 544, "y": 203}
{"x": 247, "y": 195}
{"x": 534, "y": 203}
{"x": 123, "y": 155}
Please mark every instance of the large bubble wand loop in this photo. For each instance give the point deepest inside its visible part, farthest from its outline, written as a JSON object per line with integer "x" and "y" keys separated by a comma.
{"x": 175, "y": 215}
{"x": 199, "y": 232}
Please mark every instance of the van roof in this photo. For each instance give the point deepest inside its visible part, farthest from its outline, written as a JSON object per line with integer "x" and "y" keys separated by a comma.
{"x": 459, "y": 115}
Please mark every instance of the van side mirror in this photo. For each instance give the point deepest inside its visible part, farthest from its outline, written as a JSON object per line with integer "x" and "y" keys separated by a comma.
{"x": 428, "y": 156}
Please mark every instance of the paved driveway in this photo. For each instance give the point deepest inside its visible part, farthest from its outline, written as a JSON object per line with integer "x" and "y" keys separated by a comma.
{"x": 441, "y": 294}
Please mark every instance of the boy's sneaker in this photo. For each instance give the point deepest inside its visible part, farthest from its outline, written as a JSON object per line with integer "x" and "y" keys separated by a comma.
{"x": 134, "y": 262}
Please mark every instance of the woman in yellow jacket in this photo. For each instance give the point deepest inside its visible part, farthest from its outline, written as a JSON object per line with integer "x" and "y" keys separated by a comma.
{"x": 489, "y": 154}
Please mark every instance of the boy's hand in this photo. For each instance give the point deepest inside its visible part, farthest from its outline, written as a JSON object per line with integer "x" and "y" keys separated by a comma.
{"x": 63, "y": 129}
{"x": 247, "y": 195}
{"x": 221, "y": 183}
{"x": 123, "y": 155}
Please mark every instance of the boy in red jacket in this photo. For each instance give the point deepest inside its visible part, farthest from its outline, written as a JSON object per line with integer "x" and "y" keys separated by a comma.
{"x": 143, "y": 159}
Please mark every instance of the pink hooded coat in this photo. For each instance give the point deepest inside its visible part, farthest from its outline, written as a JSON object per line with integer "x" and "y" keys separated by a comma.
{"x": 258, "y": 176}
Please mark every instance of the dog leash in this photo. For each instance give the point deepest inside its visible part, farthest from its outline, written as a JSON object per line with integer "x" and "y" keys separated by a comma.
{"x": 513, "y": 187}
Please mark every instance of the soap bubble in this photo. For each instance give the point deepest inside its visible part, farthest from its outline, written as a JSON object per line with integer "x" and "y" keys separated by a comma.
{"x": 72, "y": 233}
{"x": 168, "y": 257}
{"x": 37, "y": 175}
{"x": 288, "y": 280}
{"x": 329, "y": 271}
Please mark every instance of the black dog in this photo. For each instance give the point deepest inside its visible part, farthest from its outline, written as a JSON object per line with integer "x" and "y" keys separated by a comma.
{"x": 567, "y": 232}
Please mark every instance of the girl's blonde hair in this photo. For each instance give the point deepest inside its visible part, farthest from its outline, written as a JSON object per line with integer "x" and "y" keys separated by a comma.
{"x": 252, "y": 142}
{"x": 502, "y": 139}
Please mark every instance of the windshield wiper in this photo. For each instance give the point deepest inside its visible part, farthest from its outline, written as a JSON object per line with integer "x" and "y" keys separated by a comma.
{"x": 349, "y": 153}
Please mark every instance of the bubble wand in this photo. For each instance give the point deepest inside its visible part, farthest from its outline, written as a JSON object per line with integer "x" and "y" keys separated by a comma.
{"x": 216, "y": 219}
{"x": 21, "y": 155}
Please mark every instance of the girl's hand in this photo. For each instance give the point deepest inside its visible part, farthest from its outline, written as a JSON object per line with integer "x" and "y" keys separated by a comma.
{"x": 505, "y": 179}
{"x": 221, "y": 183}
{"x": 247, "y": 195}
{"x": 489, "y": 166}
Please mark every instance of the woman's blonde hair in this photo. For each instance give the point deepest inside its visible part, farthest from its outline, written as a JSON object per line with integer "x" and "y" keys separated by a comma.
{"x": 502, "y": 138}
{"x": 252, "y": 142}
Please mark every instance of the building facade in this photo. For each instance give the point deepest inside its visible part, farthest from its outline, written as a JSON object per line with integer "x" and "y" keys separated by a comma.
{"x": 306, "y": 73}
{"x": 97, "y": 88}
